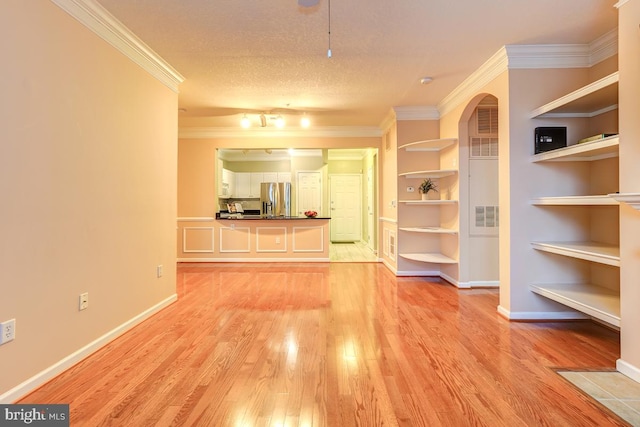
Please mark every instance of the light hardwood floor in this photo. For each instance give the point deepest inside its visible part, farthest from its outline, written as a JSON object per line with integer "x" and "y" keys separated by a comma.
{"x": 334, "y": 344}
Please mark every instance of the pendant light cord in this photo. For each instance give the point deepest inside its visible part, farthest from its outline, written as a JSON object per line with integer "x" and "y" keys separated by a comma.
{"x": 329, "y": 51}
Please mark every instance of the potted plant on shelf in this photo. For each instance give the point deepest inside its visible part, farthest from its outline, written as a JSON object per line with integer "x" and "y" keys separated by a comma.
{"x": 426, "y": 186}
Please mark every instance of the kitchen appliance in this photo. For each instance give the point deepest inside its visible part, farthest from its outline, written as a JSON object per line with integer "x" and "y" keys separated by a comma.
{"x": 275, "y": 198}
{"x": 550, "y": 138}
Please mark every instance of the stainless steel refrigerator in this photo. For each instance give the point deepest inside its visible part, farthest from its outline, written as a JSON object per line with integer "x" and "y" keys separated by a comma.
{"x": 275, "y": 198}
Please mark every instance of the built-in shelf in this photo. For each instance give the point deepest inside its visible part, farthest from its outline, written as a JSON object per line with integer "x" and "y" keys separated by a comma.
{"x": 600, "y": 200}
{"x": 602, "y": 253}
{"x": 428, "y": 202}
{"x": 429, "y": 145}
{"x": 632, "y": 199}
{"x": 588, "y": 101}
{"x": 434, "y": 230}
{"x": 596, "y": 301}
{"x": 440, "y": 173}
{"x": 585, "y": 152}
{"x": 433, "y": 258}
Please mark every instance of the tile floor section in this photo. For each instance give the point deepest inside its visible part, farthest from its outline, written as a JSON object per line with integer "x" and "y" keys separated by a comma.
{"x": 351, "y": 252}
{"x": 614, "y": 390}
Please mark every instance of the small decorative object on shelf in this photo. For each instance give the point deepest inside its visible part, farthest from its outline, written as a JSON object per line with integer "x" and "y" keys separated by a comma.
{"x": 426, "y": 186}
{"x": 311, "y": 214}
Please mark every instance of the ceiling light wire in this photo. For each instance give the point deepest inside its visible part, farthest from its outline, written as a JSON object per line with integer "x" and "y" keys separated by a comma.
{"x": 329, "y": 51}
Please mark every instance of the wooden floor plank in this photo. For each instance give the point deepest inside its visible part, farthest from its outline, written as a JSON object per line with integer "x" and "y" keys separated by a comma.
{"x": 341, "y": 344}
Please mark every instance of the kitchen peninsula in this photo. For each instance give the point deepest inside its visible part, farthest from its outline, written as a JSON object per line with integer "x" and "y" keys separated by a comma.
{"x": 253, "y": 238}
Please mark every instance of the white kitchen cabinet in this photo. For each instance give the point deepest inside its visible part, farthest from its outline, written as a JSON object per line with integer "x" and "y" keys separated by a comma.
{"x": 257, "y": 178}
{"x": 243, "y": 185}
{"x": 284, "y": 176}
{"x": 270, "y": 177}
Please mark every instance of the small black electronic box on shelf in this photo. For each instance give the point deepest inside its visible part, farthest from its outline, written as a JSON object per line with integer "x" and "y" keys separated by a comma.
{"x": 550, "y": 138}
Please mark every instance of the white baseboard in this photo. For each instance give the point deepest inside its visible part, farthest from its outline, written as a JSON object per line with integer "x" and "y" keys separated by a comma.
{"x": 417, "y": 273}
{"x": 628, "y": 369}
{"x": 484, "y": 284}
{"x": 541, "y": 315}
{"x": 54, "y": 370}
{"x": 249, "y": 260}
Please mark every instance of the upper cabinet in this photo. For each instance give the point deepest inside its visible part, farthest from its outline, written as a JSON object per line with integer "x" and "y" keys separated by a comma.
{"x": 582, "y": 261}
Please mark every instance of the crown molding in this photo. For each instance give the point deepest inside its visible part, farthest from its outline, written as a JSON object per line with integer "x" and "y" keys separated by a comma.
{"x": 97, "y": 19}
{"x": 511, "y": 57}
{"x": 323, "y": 132}
{"x": 388, "y": 121}
{"x": 603, "y": 47}
{"x": 488, "y": 71}
{"x": 417, "y": 112}
{"x": 620, "y": 3}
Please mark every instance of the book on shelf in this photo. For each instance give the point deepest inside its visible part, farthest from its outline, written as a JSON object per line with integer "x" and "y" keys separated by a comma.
{"x": 596, "y": 137}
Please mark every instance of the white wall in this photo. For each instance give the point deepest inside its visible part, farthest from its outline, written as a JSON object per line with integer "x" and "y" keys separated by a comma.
{"x": 88, "y": 188}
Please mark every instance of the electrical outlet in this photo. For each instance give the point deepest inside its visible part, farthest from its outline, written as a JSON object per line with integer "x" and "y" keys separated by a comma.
{"x": 277, "y": 240}
{"x": 159, "y": 271}
{"x": 7, "y": 331}
{"x": 83, "y": 301}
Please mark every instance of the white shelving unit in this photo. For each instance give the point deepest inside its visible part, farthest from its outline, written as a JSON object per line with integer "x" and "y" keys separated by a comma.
{"x": 433, "y": 258}
{"x": 416, "y": 217}
{"x": 428, "y": 202}
{"x": 600, "y": 200}
{"x": 598, "y": 300}
{"x": 441, "y": 173}
{"x": 430, "y": 230}
{"x": 595, "y": 301}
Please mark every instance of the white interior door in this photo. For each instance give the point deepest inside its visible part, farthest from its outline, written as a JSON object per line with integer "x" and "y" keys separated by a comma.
{"x": 346, "y": 208}
{"x": 309, "y": 192}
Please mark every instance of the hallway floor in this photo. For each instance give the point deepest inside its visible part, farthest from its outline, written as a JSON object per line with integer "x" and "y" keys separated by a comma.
{"x": 351, "y": 252}
{"x": 613, "y": 389}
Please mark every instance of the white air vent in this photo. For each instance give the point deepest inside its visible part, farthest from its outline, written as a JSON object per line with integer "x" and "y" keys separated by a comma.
{"x": 487, "y": 120}
{"x": 484, "y": 147}
{"x": 487, "y": 216}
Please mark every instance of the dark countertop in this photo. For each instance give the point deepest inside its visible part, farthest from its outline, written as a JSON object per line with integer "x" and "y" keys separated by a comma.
{"x": 225, "y": 215}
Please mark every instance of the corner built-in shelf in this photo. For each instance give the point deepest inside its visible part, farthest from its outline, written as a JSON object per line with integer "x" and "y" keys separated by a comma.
{"x": 434, "y": 230}
{"x": 429, "y": 145}
{"x": 440, "y": 173}
{"x": 433, "y": 258}
{"x": 588, "y": 101}
{"x": 600, "y": 200}
{"x": 602, "y": 253}
{"x": 428, "y": 202}
{"x": 585, "y": 152}
{"x": 632, "y": 199}
{"x": 595, "y": 301}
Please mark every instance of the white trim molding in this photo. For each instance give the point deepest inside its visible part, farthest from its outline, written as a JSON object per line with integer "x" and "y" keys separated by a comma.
{"x": 542, "y": 315}
{"x": 620, "y": 3}
{"x": 97, "y": 19}
{"x": 631, "y": 199}
{"x": 294, "y": 238}
{"x": 628, "y": 369}
{"x": 283, "y": 235}
{"x": 184, "y": 240}
{"x": 196, "y": 219}
{"x": 234, "y": 228}
{"x": 254, "y": 260}
{"x": 417, "y": 112}
{"x": 531, "y": 57}
{"x": 42, "y": 377}
{"x": 323, "y": 132}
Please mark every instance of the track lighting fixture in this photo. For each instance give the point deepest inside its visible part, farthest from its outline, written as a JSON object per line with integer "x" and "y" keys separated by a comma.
{"x": 245, "y": 122}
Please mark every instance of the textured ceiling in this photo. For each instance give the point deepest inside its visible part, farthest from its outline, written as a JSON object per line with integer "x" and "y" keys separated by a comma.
{"x": 271, "y": 56}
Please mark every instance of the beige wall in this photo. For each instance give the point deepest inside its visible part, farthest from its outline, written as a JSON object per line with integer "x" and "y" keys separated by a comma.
{"x": 629, "y": 45}
{"x": 88, "y": 188}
